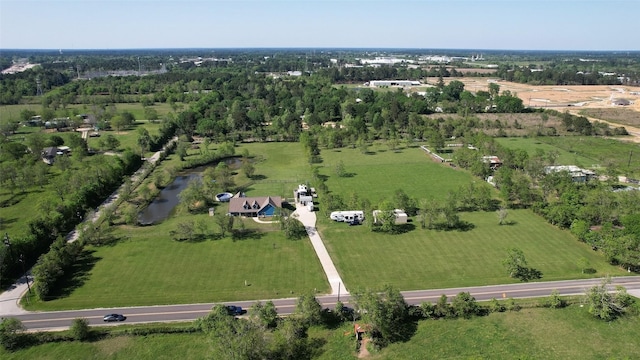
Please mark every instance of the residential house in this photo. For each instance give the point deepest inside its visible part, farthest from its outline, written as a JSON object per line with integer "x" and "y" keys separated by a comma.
{"x": 577, "y": 174}
{"x": 254, "y": 206}
{"x": 493, "y": 161}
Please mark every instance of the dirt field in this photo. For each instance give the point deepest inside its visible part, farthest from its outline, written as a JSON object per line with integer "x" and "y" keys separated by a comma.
{"x": 571, "y": 98}
{"x": 558, "y": 97}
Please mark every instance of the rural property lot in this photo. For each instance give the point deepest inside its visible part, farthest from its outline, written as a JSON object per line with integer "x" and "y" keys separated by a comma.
{"x": 420, "y": 259}
{"x": 430, "y": 259}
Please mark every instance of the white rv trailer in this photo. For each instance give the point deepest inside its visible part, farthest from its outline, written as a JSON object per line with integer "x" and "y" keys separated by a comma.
{"x": 347, "y": 216}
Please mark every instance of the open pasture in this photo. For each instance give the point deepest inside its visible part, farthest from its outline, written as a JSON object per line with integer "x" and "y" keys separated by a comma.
{"x": 147, "y": 267}
{"x": 622, "y": 156}
{"x": 13, "y": 111}
{"x": 279, "y": 168}
{"x": 379, "y": 173}
{"x": 531, "y": 145}
{"x": 431, "y": 259}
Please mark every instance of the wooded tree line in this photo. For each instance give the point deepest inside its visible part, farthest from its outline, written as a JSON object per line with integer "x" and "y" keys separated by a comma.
{"x": 75, "y": 185}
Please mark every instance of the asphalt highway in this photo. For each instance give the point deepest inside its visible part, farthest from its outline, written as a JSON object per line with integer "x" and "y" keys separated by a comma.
{"x": 58, "y": 320}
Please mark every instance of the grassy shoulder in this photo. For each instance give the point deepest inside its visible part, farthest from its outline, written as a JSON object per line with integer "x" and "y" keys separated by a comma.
{"x": 531, "y": 333}
{"x": 156, "y": 346}
{"x": 568, "y": 333}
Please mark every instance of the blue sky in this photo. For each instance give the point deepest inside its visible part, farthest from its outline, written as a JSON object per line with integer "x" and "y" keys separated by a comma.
{"x": 451, "y": 24}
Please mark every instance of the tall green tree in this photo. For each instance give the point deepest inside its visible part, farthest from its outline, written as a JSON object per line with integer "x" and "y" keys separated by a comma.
{"x": 233, "y": 338}
{"x": 308, "y": 309}
{"x": 387, "y": 313}
{"x": 605, "y": 305}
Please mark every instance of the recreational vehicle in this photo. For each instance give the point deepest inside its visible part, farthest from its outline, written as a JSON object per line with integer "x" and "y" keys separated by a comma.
{"x": 347, "y": 216}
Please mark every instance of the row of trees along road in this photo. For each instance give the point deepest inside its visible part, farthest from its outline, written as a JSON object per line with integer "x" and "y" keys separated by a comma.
{"x": 384, "y": 317}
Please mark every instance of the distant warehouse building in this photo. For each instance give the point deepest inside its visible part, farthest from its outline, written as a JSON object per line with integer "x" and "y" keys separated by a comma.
{"x": 399, "y": 83}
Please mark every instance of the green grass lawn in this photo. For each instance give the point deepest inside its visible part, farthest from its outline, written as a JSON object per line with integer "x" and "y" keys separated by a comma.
{"x": 589, "y": 152}
{"x": 147, "y": 267}
{"x": 530, "y": 145}
{"x": 13, "y": 111}
{"x": 623, "y": 156}
{"x": 279, "y": 168}
{"x": 23, "y": 208}
{"x": 430, "y": 259}
{"x": 152, "y": 347}
{"x": 569, "y": 333}
{"x": 128, "y": 137}
{"x": 379, "y": 173}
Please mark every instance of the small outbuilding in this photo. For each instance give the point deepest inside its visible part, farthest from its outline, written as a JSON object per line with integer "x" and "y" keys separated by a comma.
{"x": 401, "y": 217}
{"x": 620, "y": 102}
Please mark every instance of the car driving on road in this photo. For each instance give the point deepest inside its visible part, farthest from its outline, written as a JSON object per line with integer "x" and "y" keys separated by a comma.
{"x": 235, "y": 310}
{"x": 114, "y": 317}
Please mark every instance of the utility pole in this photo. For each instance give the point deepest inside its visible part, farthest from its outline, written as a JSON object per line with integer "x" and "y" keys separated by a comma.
{"x": 26, "y": 277}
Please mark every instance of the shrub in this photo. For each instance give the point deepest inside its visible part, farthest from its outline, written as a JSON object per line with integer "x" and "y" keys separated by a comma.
{"x": 496, "y": 306}
{"x": 555, "y": 301}
{"x": 11, "y": 334}
{"x": 464, "y": 305}
{"x": 80, "y": 329}
{"x": 512, "y": 305}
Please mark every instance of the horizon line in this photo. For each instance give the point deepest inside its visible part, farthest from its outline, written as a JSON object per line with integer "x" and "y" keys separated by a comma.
{"x": 314, "y": 48}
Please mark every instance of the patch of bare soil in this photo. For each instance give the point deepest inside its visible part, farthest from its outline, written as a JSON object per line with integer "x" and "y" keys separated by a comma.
{"x": 572, "y": 98}
{"x": 558, "y": 96}
{"x": 364, "y": 352}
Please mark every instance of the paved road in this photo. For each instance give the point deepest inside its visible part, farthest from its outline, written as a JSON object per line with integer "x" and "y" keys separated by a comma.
{"x": 146, "y": 314}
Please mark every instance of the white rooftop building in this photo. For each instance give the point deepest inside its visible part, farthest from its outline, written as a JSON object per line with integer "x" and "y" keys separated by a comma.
{"x": 577, "y": 174}
{"x": 398, "y": 83}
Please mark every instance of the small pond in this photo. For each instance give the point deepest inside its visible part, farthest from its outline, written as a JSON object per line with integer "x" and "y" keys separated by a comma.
{"x": 162, "y": 206}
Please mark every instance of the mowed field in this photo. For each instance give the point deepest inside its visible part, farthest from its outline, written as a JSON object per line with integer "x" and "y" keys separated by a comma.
{"x": 13, "y": 111}
{"x": 421, "y": 259}
{"x": 568, "y": 333}
{"x": 279, "y": 168}
{"x": 379, "y": 173}
{"x": 590, "y": 152}
{"x": 147, "y": 267}
{"x": 531, "y": 145}
{"x": 432, "y": 259}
